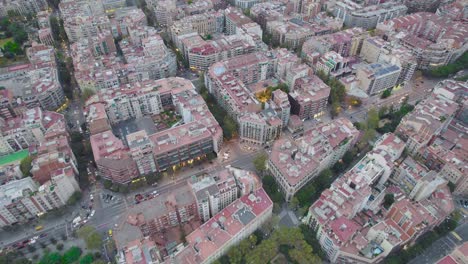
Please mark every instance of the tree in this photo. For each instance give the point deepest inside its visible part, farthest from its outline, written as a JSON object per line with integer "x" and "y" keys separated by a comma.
{"x": 74, "y": 198}
{"x": 152, "y": 178}
{"x": 334, "y": 109}
{"x": 59, "y": 247}
{"x": 452, "y": 68}
{"x": 389, "y": 199}
{"x": 71, "y": 255}
{"x": 271, "y": 188}
{"x": 235, "y": 255}
{"x": 386, "y": 93}
{"x": 12, "y": 47}
{"x": 260, "y": 162}
{"x": 229, "y": 127}
{"x": 53, "y": 240}
{"x": 86, "y": 94}
{"x": 276, "y": 208}
{"x": 293, "y": 203}
{"x": 383, "y": 111}
{"x": 51, "y": 258}
{"x": 451, "y": 186}
{"x": 26, "y": 166}
{"x": 91, "y": 237}
{"x": 372, "y": 119}
{"x": 271, "y": 224}
{"x": 87, "y": 259}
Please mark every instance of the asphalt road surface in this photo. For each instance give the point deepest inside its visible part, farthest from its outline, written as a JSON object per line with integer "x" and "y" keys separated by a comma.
{"x": 442, "y": 247}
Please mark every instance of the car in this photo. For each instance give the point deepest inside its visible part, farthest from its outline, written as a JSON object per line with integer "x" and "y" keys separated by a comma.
{"x": 92, "y": 213}
{"x": 42, "y": 235}
{"x": 154, "y": 192}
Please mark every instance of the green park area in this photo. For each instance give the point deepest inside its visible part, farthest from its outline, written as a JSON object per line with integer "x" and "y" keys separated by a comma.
{"x": 17, "y": 156}
{"x": 4, "y": 41}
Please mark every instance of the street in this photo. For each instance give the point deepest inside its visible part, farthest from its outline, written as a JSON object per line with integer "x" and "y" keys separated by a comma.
{"x": 443, "y": 246}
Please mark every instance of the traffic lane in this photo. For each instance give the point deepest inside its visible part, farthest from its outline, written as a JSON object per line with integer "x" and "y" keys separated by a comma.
{"x": 442, "y": 247}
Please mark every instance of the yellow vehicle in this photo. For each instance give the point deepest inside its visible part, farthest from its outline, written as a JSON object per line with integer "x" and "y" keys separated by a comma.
{"x": 456, "y": 236}
{"x": 110, "y": 232}
{"x": 38, "y": 228}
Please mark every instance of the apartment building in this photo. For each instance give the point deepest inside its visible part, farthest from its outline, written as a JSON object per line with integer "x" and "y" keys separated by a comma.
{"x": 141, "y": 152}
{"x": 355, "y": 15}
{"x": 428, "y": 118}
{"x": 309, "y": 97}
{"x": 200, "y": 6}
{"x": 27, "y": 129}
{"x": 22, "y": 7}
{"x": 280, "y": 103}
{"x": 36, "y": 83}
{"x": 53, "y": 173}
{"x": 197, "y": 135}
{"x": 226, "y": 229}
{"x": 234, "y": 20}
{"x": 293, "y": 32}
{"x": 446, "y": 151}
{"x": 127, "y": 17}
{"x": 217, "y": 191}
{"x": 97, "y": 118}
{"x": 375, "y": 49}
{"x": 260, "y": 128}
{"x": 208, "y": 23}
{"x": 434, "y": 40}
{"x": 347, "y": 43}
{"x": 447, "y": 154}
{"x": 112, "y": 158}
{"x": 338, "y": 215}
{"x": 375, "y": 78}
{"x": 164, "y": 211}
{"x": 53, "y": 153}
{"x": 294, "y": 163}
{"x": 249, "y": 69}
{"x": 202, "y": 55}
{"x": 267, "y": 11}
{"x": 164, "y": 11}
{"x": 97, "y": 65}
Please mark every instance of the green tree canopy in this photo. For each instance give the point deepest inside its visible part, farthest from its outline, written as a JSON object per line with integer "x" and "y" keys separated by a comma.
{"x": 292, "y": 240}
{"x": 26, "y": 166}
{"x": 91, "y": 237}
{"x": 389, "y": 199}
{"x": 86, "y": 94}
{"x": 71, "y": 255}
{"x": 386, "y": 93}
{"x": 51, "y": 258}
{"x": 372, "y": 119}
{"x": 12, "y": 47}
{"x": 260, "y": 162}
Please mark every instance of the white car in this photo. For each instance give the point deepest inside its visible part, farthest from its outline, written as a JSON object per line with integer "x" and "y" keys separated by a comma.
{"x": 92, "y": 213}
